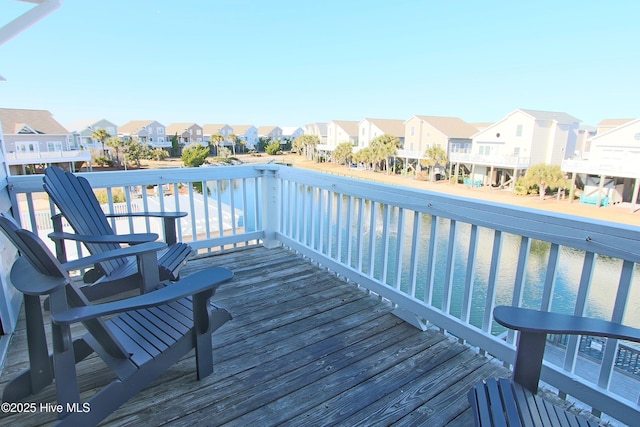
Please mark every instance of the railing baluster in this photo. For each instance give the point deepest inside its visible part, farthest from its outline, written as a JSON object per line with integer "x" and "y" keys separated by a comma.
{"x": 469, "y": 277}
{"x": 360, "y": 236}
{"x": 550, "y": 277}
{"x": 192, "y": 205}
{"x": 205, "y": 202}
{"x": 385, "y": 242}
{"x": 372, "y": 238}
{"x": 521, "y": 274}
{"x": 349, "y": 228}
{"x": 330, "y": 222}
{"x": 586, "y": 276}
{"x": 219, "y": 205}
{"x": 397, "y": 282}
{"x": 431, "y": 260}
{"x": 339, "y": 201}
{"x": 415, "y": 252}
{"x": 450, "y": 267}
{"x": 492, "y": 283}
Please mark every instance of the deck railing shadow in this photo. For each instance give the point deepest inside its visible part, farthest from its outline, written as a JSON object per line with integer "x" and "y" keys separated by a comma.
{"x": 440, "y": 260}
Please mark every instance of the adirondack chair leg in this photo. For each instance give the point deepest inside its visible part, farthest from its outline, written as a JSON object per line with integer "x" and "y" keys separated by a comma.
{"x": 64, "y": 359}
{"x": 526, "y": 368}
{"x": 170, "y": 233}
{"x": 202, "y": 331}
{"x": 21, "y": 386}
{"x": 41, "y": 370}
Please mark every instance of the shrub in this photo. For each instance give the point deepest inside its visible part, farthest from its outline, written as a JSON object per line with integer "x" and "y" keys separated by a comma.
{"x": 116, "y": 193}
{"x": 273, "y": 148}
{"x": 194, "y": 155}
{"x": 103, "y": 161}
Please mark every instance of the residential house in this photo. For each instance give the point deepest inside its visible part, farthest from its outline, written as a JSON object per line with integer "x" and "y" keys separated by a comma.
{"x": 609, "y": 173}
{"x": 33, "y": 139}
{"x": 274, "y": 133}
{"x": 217, "y": 129}
{"x": 187, "y": 133}
{"x": 148, "y": 132}
{"x": 248, "y": 134}
{"x": 505, "y": 150}
{"x": 423, "y": 132}
{"x": 610, "y": 124}
{"x": 290, "y": 133}
{"x": 338, "y": 131}
{"x": 82, "y": 132}
{"x": 318, "y": 129}
{"x": 368, "y": 129}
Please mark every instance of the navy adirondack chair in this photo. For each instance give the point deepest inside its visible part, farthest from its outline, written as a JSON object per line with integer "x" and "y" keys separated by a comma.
{"x": 513, "y": 402}
{"x": 142, "y": 338}
{"x": 77, "y": 202}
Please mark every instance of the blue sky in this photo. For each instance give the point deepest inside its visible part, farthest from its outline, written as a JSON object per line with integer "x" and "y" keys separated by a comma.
{"x": 289, "y": 63}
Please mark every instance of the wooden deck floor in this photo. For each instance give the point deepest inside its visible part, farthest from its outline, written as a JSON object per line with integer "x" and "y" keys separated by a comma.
{"x": 304, "y": 348}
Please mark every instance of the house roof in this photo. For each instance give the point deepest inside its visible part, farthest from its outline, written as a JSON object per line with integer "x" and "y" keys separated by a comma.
{"x": 178, "y": 128}
{"x": 614, "y": 122}
{"x": 390, "y": 126}
{"x": 349, "y": 126}
{"x": 241, "y": 129}
{"x": 607, "y": 129}
{"x": 212, "y": 129}
{"x": 451, "y": 127}
{"x": 134, "y": 126}
{"x": 550, "y": 115}
{"x": 41, "y": 121}
{"x": 290, "y": 130}
{"x": 81, "y": 124}
{"x": 265, "y": 130}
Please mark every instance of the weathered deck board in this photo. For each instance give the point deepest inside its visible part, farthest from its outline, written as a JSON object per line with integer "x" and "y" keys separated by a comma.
{"x": 304, "y": 348}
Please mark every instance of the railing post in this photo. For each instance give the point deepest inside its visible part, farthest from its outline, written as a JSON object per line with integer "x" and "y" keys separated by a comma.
{"x": 270, "y": 205}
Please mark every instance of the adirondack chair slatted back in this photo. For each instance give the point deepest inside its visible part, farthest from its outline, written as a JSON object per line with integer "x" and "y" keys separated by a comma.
{"x": 34, "y": 251}
{"x": 76, "y": 200}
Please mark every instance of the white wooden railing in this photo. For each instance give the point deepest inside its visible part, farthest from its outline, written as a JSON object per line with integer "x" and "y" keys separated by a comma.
{"x": 442, "y": 260}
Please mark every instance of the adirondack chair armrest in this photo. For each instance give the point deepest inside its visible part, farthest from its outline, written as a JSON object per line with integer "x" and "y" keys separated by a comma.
{"x": 534, "y": 326}
{"x": 169, "y": 221}
{"x": 131, "y": 239}
{"x": 90, "y": 260}
{"x": 203, "y": 281}
{"x": 172, "y": 215}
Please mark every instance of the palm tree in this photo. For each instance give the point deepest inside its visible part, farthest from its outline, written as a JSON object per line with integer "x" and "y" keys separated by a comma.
{"x": 384, "y": 147}
{"x": 434, "y": 156}
{"x": 101, "y": 135}
{"x": 233, "y": 138}
{"x": 216, "y": 140}
{"x": 544, "y": 176}
{"x": 117, "y": 144}
{"x": 343, "y": 152}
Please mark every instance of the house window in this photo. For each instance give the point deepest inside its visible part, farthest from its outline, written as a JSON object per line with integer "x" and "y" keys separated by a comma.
{"x": 516, "y": 151}
{"x": 198, "y": 131}
{"x": 412, "y": 131}
{"x": 519, "y": 130}
{"x": 160, "y": 131}
{"x": 54, "y": 146}
{"x": 27, "y": 147}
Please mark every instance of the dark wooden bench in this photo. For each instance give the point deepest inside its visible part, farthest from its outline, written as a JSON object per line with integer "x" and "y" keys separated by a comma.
{"x": 502, "y": 402}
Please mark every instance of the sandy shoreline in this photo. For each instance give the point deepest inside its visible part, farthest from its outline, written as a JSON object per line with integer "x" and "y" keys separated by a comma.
{"x": 614, "y": 213}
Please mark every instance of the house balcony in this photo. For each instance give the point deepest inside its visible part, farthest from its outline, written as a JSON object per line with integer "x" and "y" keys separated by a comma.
{"x": 362, "y": 303}
{"x": 410, "y": 154}
{"x": 626, "y": 167}
{"x": 47, "y": 157}
{"x": 511, "y": 162}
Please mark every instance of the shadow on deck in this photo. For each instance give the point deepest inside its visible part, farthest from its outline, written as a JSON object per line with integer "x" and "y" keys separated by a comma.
{"x": 304, "y": 348}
